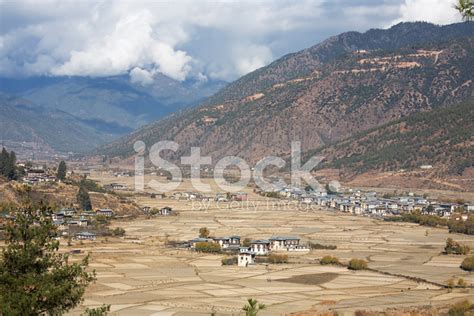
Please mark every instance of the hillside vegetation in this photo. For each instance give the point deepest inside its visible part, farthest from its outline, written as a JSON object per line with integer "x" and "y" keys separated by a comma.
{"x": 443, "y": 138}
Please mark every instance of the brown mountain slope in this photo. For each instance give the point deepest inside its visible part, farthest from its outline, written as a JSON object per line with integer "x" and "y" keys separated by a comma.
{"x": 319, "y": 102}
{"x": 443, "y": 139}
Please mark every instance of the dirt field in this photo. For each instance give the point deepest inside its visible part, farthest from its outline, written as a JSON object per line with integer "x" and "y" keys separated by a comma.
{"x": 139, "y": 275}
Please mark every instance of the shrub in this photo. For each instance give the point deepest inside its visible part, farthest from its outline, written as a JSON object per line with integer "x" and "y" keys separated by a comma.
{"x": 246, "y": 242}
{"x": 468, "y": 264}
{"x": 204, "y": 232}
{"x": 329, "y": 260}
{"x": 261, "y": 259}
{"x": 276, "y": 258}
{"x": 229, "y": 261}
{"x": 320, "y": 246}
{"x": 119, "y": 231}
{"x": 455, "y": 248}
{"x": 209, "y": 247}
{"x": 450, "y": 283}
{"x": 461, "y": 308}
{"x": 357, "y": 264}
{"x": 462, "y": 283}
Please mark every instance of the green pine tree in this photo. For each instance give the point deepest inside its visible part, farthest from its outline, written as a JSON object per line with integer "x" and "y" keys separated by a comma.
{"x": 8, "y": 164}
{"x": 84, "y": 199}
{"x": 11, "y": 175}
{"x": 61, "y": 173}
{"x": 4, "y": 158}
{"x": 34, "y": 278}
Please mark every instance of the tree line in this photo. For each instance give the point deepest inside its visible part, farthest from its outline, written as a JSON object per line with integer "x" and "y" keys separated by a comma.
{"x": 8, "y": 164}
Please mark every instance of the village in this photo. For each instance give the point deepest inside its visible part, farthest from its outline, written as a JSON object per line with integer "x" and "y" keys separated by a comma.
{"x": 250, "y": 243}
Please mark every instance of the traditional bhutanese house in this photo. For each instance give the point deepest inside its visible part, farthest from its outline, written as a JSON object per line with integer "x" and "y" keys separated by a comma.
{"x": 245, "y": 257}
{"x": 283, "y": 243}
{"x": 82, "y": 222}
{"x": 260, "y": 247}
{"x": 165, "y": 211}
{"x": 115, "y": 186}
{"x": 228, "y": 242}
{"x": 58, "y": 216}
{"x": 105, "y": 211}
{"x": 85, "y": 236}
{"x": 346, "y": 207}
{"x": 358, "y": 210}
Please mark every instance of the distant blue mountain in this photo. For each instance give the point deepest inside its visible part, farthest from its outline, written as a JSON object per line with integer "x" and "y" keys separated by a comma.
{"x": 112, "y": 106}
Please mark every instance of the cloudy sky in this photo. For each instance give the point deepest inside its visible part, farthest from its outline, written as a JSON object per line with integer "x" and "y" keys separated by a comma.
{"x": 183, "y": 39}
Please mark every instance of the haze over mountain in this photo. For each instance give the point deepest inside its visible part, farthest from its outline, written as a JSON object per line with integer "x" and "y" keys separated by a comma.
{"x": 333, "y": 90}
{"x": 26, "y": 126}
{"x": 106, "y": 107}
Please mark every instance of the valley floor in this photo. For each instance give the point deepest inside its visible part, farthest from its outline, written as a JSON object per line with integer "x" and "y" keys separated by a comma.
{"x": 139, "y": 275}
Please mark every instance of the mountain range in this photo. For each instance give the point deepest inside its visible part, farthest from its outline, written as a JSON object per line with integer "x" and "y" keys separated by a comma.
{"x": 100, "y": 108}
{"x": 346, "y": 85}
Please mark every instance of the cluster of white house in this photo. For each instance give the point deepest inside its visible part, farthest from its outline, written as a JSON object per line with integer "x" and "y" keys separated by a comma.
{"x": 115, "y": 186}
{"x": 164, "y": 211}
{"x": 70, "y": 217}
{"x": 37, "y": 175}
{"x": 219, "y": 197}
{"x": 369, "y": 204}
{"x": 260, "y": 247}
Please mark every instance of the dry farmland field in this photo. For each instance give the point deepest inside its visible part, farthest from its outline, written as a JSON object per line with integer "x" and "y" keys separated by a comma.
{"x": 140, "y": 275}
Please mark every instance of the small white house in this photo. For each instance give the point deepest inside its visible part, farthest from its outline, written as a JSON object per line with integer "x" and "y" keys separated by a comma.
{"x": 260, "y": 247}
{"x": 228, "y": 242}
{"x": 245, "y": 257}
{"x": 105, "y": 211}
{"x": 85, "y": 236}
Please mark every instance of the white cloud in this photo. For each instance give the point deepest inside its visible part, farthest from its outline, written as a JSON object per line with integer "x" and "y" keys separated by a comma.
{"x": 182, "y": 39}
{"x": 141, "y": 76}
{"x": 434, "y": 11}
{"x": 251, "y": 57}
{"x": 131, "y": 43}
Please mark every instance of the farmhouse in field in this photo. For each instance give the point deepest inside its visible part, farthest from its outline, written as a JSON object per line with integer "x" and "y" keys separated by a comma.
{"x": 228, "y": 242}
{"x": 105, "y": 212}
{"x": 260, "y": 247}
{"x": 85, "y": 236}
{"x": 245, "y": 257}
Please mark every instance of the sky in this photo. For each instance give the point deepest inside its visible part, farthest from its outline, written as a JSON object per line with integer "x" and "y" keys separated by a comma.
{"x": 218, "y": 40}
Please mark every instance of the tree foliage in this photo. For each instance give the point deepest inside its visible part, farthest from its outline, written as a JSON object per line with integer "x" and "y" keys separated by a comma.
{"x": 209, "y": 247}
{"x": 457, "y": 225}
{"x": 61, "y": 173}
{"x": 34, "y": 278}
{"x": 357, "y": 264}
{"x": 329, "y": 260}
{"x": 84, "y": 199}
{"x": 204, "y": 232}
{"x": 468, "y": 264}
{"x": 253, "y": 307}
{"x": 455, "y": 248}
{"x": 466, "y": 8}
{"x": 8, "y": 164}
